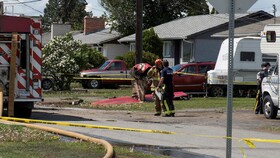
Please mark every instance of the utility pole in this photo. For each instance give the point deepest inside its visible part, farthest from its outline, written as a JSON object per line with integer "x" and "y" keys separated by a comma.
{"x": 139, "y": 21}
{"x": 274, "y": 12}
{"x": 1, "y": 8}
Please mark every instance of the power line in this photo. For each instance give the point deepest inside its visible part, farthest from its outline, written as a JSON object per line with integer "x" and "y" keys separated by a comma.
{"x": 17, "y": 2}
{"x": 23, "y": 2}
{"x": 30, "y": 6}
{"x": 96, "y": 9}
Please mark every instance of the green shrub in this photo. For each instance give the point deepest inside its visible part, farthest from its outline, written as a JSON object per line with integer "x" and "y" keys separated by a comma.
{"x": 88, "y": 58}
{"x": 152, "y": 43}
{"x": 129, "y": 58}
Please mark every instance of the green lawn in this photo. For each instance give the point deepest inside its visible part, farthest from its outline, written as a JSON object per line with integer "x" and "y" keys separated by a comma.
{"x": 193, "y": 103}
{"x": 18, "y": 141}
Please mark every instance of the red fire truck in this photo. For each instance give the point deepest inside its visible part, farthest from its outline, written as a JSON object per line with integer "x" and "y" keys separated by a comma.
{"x": 20, "y": 64}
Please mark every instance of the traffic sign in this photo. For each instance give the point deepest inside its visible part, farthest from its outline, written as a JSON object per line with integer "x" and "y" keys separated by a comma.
{"x": 241, "y": 6}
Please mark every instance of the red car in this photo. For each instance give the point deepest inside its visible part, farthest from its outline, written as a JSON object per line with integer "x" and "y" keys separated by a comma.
{"x": 190, "y": 77}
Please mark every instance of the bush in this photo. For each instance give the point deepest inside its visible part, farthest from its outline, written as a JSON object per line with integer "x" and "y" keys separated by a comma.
{"x": 63, "y": 57}
{"x": 129, "y": 58}
{"x": 88, "y": 58}
{"x": 152, "y": 43}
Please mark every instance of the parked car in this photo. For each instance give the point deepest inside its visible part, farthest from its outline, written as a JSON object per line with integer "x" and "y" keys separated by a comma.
{"x": 110, "y": 72}
{"x": 191, "y": 77}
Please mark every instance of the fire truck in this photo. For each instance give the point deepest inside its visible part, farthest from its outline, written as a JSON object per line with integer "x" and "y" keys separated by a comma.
{"x": 20, "y": 64}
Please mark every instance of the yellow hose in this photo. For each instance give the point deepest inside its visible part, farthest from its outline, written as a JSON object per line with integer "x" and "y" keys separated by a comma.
{"x": 108, "y": 146}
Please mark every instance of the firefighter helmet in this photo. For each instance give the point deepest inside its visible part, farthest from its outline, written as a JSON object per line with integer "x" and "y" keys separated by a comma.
{"x": 158, "y": 61}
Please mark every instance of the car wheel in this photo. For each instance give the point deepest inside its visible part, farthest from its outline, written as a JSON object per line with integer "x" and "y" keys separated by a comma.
{"x": 217, "y": 91}
{"x": 94, "y": 84}
{"x": 47, "y": 84}
{"x": 270, "y": 111}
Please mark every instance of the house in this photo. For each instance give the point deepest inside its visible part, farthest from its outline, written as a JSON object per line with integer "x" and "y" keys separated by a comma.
{"x": 102, "y": 39}
{"x": 94, "y": 35}
{"x": 191, "y": 38}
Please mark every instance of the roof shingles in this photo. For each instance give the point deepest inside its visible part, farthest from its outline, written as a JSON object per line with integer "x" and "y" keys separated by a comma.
{"x": 183, "y": 27}
{"x": 98, "y": 37}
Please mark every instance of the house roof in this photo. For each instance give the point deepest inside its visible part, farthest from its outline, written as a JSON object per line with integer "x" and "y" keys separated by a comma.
{"x": 253, "y": 29}
{"x": 184, "y": 27}
{"x": 98, "y": 37}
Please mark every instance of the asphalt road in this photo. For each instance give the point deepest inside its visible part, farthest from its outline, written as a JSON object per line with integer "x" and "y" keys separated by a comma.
{"x": 194, "y": 139}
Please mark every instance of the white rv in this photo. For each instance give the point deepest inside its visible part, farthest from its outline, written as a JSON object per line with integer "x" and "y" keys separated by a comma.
{"x": 270, "y": 44}
{"x": 247, "y": 60}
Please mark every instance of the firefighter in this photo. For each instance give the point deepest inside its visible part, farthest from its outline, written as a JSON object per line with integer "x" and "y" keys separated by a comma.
{"x": 166, "y": 82}
{"x": 139, "y": 72}
{"x": 260, "y": 75}
{"x": 154, "y": 74}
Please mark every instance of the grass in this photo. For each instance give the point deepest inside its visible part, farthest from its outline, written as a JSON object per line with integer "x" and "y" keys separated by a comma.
{"x": 104, "y": 93}
{"x": 18, "y": 141}
{"x": 193, "y": 103}
{"x": 271, "y": 129}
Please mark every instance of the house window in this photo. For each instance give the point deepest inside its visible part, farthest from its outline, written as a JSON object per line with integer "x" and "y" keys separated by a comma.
{"x": 270, "y": 36}
{"x": 247, "y": 56}
{"x": 132, "y": 47}
{"x": 167, "y": 49}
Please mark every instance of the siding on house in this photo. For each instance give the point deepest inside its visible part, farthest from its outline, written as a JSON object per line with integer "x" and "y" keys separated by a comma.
{"x": 112, "y": 50}
{"x": 207, "y": 49}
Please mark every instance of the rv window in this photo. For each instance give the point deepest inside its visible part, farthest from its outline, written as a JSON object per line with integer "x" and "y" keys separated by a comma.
{"x": 247, "y": 56}
{"x": 270, "y": 36}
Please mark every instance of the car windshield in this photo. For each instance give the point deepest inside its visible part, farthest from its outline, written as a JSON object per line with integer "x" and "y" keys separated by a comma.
{"x": 102, "y": 67}
{"x": 176, "y": 67}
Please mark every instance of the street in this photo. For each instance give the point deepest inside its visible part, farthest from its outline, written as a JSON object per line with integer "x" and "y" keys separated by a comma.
{"x": 198, "y": 133}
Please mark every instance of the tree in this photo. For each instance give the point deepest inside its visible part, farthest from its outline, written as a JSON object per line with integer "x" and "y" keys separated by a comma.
{"x": 129, "y": 58}
{"x": 63, "y": 57}
{"x": 72, "y": 11}
{"x": 152, "y": 43}
{"x": 121, "y": 13}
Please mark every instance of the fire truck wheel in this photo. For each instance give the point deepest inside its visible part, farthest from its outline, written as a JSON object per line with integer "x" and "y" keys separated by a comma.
{"x": 47, "y": 84}
{"x": 270, "y": 111}
{"x": 94, "y": 84}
